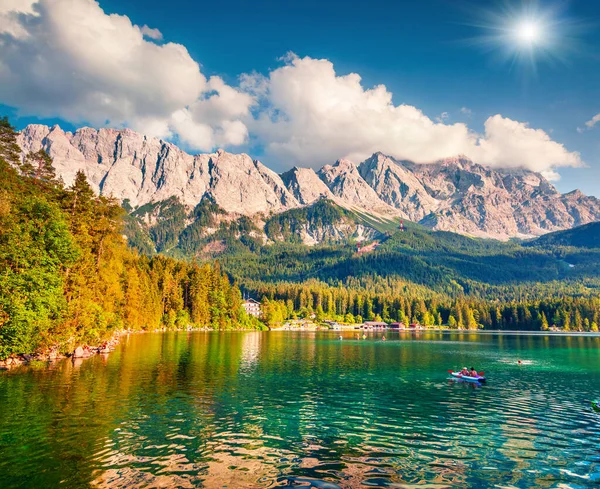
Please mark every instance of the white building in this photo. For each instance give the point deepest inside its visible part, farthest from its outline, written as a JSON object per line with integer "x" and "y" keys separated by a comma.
{"x": 252, "y": 307}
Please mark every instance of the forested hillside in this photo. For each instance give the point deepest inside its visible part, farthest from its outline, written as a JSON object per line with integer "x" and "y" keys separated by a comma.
{"x": 435, "y": 278}
{"x": 586, "y": 236}
{"x": 67, "y": 276}
{"x": 75, "y": 267}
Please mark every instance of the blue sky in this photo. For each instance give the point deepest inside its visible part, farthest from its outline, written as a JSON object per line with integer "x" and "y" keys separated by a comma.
{"x": 425, "y": 53}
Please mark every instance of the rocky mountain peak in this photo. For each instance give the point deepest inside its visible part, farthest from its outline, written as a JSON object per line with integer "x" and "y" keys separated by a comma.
{"x": 305, "y": 185}
{"x": 454, "y": 194}
{"x": 575, "y": 194}
{"x": 340, "y": 167}
{"x": 346, "y": 183}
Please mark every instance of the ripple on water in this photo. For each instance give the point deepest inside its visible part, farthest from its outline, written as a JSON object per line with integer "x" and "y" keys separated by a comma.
{"x": 272, "y": 410}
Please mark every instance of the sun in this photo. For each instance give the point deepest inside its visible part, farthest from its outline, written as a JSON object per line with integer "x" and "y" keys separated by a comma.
{"x": 526, "y": 33}
{"x": 529, "y": 32}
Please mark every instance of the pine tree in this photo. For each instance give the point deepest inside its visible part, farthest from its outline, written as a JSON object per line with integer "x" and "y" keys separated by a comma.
{"x": 544, "y": 323}
{"x": 10, "y": 151}
{"x": 565, "y": 320}
{"x": 471, "y": 321}
{"x": 38, "y": 166}
{"x": 80, "y": 198}
{"x": 578, "y": 321}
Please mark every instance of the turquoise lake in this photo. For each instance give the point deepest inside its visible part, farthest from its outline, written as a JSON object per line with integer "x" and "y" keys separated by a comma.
{"x": 304, "y": 409}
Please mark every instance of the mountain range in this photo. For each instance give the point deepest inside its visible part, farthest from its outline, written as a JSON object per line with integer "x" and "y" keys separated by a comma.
{"x": 454, "y": 194}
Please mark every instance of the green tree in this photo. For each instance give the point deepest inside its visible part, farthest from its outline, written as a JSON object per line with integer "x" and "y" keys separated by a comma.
{"x": 544, "y": 323}
{"x": 38, "y": 167}
{"x": 452, "y": 322}
{"x": 9, "y": 149}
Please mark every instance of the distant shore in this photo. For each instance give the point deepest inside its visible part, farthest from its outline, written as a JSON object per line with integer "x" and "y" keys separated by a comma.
{"x": 356, "y": 328}
{"x": 85, "y": 352}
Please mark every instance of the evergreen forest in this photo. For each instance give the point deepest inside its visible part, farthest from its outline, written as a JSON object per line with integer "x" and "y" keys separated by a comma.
{"x": 75, "y": 268}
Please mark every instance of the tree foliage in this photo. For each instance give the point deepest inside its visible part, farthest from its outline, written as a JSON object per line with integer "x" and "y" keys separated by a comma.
{"x": 67, "y": 276}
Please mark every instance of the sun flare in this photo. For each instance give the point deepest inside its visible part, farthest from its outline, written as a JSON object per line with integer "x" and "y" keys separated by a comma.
{"x": 529, "y": 32}
{"x": 526, "y": 33}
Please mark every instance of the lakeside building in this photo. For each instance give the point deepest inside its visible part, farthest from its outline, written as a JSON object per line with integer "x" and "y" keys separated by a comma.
{"x": 397, "y": 326}
{"x": 252, "y": 307}
{"x": 375, "y": 325}
{"x": 333, "y": 325}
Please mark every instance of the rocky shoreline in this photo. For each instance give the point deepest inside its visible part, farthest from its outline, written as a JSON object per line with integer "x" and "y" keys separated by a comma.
{"x": 82, "y": 351}
{"x": 53, "y": 354}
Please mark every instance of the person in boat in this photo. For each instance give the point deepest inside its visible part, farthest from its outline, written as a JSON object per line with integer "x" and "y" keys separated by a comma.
{"x": 464, "y": 371}
{"x": 383, "y": 338}
{"x": 473, "y": 372}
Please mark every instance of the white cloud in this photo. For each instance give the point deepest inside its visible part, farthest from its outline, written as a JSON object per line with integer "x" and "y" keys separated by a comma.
{"x": 222, "y": 102}
{"x": 151, "y": 33}
{"x": 69, "y": 59}
{"x": 17, "y": 6}
{"x": 314, "y": 116}
{"x": 444, "y": 116}
{"x": 215, "y": 119}
{"x": 466, "y": 111}
{"x": 512, "y": 144}
{"x": 12, "y": 13}
{"x": 593, "y": 121}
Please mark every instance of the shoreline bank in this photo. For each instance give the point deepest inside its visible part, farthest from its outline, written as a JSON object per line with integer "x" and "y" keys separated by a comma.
{"x": 85, "y": 351}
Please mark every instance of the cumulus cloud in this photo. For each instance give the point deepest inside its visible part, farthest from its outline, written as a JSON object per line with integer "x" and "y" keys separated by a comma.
{"x": 17, "y": 6}
{"x": 215, "y": 119}
{"x": 68, "y": 58}
{"x": 593, "y": 121}
{"x": 512, "y": 144}
{"x": 314, "y": 115}
{"x": 11, "y": 15}
{"x": 151, "y": 33}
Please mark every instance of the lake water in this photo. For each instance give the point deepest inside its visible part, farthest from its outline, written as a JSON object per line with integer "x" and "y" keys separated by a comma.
{"x": 273, "y": 409}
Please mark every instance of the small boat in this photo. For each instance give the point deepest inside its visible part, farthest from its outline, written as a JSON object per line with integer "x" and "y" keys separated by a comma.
{"x": 468, "y": 378}
{"x": 596, "y": 406}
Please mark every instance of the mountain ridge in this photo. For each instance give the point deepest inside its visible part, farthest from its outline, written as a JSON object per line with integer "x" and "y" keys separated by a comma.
{"x": 453, "y": 194}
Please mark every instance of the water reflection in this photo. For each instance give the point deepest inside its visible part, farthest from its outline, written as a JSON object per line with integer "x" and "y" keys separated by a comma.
{"x": 244, "y": 410}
